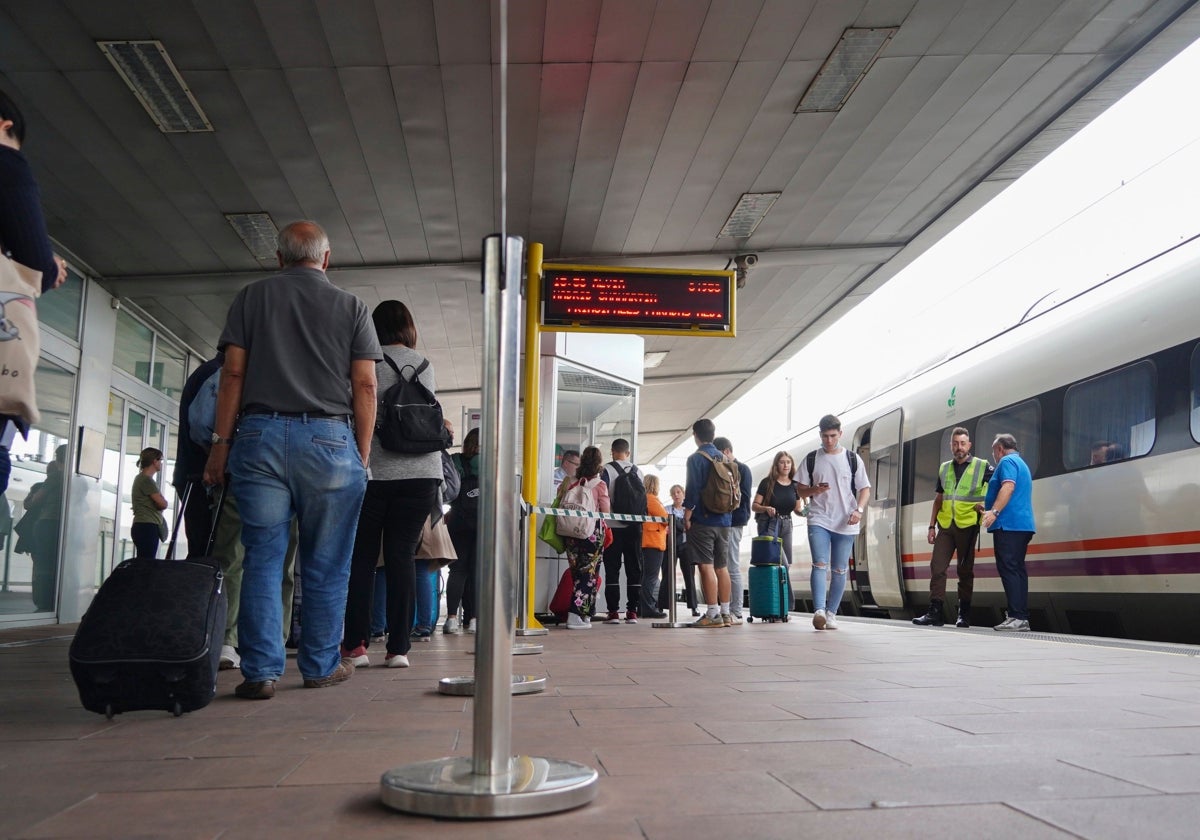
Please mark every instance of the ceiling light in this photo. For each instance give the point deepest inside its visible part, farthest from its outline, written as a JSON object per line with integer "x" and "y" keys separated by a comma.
{"x": 151, "y": 75}
{"x": 850, "y": 60}
{"x": 747, "y": 213}
{"x": 258, "y": 232}
{"x": 653, "y": 360}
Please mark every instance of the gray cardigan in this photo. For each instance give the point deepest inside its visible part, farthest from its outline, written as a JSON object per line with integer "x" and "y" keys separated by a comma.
{"x": 394, "y": 466}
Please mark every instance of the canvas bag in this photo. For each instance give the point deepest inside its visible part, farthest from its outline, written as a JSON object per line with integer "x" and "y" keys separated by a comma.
{"x": 20, "y": 341}
{"x": 436, "y": 546}
{"x": 578, "y": 497}
{"x": 722, "y": 491}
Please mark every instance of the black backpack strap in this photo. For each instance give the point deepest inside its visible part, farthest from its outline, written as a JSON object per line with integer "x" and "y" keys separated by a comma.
{"x": 852, "y": 459}
{"x": 416, "y": 371}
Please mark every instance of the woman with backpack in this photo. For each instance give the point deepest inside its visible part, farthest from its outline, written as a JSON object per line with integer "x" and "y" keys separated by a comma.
{"x": 400, "y": 493}
{"x": 584, "y": 553}
{"x": 463, "y": 522}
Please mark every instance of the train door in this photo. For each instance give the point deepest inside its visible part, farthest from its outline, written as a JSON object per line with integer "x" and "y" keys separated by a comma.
{"x": 877, "y": 578}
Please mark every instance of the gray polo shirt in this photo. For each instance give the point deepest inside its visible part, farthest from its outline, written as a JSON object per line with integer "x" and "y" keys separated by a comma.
{"x": 300, "y": 334}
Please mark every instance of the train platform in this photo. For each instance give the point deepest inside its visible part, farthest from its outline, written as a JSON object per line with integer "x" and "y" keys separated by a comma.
{"x": 879, "y": 729}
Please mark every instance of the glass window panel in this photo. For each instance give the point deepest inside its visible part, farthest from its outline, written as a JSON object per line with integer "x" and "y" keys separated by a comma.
{"x": 1023, "y": 421}
{"x": 60, "y": 308}
{"x": 1109, "y": 418}
{"x": 135, "y": 342}
{"x": 1196, "y": 394}
{"x": 593, "y": 410}
{"x": 170, "y": 368}
{"x": 110, "y": 485}
{"x": 135, "y": 434}
{"x": 34, "y": 499}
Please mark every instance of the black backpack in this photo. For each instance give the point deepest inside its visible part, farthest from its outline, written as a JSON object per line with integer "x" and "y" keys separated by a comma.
{"x": 628, "y": 492}
{"x": 466, "y": 504}
{"x": 409, "y": 418}
{"x": 811, "y": 461}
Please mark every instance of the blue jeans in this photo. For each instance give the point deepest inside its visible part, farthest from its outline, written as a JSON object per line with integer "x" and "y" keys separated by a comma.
{"x": 829, "y": 549}
{"x": 307, "y": 467}
{"x": 1010, "y": 563}
{"x": 379, "y": 603}
{"x": 427, "y": 596}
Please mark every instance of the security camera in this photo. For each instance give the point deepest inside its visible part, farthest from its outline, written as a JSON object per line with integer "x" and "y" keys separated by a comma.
{"x": 746, "y": 260}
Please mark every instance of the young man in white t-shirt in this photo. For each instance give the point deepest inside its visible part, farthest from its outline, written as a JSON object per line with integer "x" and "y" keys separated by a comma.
{"x": 838, "y": 503}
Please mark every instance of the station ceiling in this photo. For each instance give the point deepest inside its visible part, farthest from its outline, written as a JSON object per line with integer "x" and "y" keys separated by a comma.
{"x": 633, "y": 129}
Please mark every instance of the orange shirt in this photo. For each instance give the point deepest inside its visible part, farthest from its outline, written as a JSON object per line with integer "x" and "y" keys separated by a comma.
{"x": 654, "y": 534}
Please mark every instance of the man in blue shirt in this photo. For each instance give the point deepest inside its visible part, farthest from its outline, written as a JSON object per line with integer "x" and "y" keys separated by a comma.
{"x": 1008, "y": 517}
{"x": 707, "y": 531}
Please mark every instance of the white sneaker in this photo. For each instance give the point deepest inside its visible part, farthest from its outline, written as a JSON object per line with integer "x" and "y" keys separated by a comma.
{"x": 229, "y": 658}
{"x": 830, "y": 620}
{"x": 451, "y": 626}
{"x": 1019, "y": 625}
{"x": 576, "y": 622}
{"x": 471, "y": 626}
{"x": 398, "y": 660}
{"x": 819, "y": 619}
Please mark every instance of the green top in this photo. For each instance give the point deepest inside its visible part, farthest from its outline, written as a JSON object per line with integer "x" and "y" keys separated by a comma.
{"x": 144, "y": 509}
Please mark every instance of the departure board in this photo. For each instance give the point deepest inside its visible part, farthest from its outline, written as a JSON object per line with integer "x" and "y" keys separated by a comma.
{"x": 637, "y": 299}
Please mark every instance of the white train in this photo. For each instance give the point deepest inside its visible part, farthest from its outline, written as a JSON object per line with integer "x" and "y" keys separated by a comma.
{"x": 1117, "y": 552}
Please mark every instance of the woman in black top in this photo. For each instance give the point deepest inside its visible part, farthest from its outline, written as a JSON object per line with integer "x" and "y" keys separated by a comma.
{"x": 776, "y": 500}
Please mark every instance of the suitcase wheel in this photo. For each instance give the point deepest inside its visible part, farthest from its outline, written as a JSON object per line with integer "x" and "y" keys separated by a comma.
{"x": 785, "y": 618}
{"x": 108, "y": 711}
{"x": 177, "y": 709}
{"x": 750, "y": 619}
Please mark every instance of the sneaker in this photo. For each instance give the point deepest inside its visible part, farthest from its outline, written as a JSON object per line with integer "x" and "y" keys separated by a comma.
{"x": 726, "y": 619}
{"x": 229, "y": 658}
{"x": 421, "y": 634}
{"x": 706, "y": 621}
{"x": 451, "y": 627}
{"x": 819, "y": 619}
{"x": 577, "y": 622}
{"x": 734, "y": 620}
{"x": 471, "y": 626}
{"x": 263, "y": 690}
{"x": 656, "y": 614}
{"x": 614, "y": 617}
{"x": 396, "y": 660}
{"x": 1020, "y": 625}
{"x": 830, "y": 620}
{"x": 631, "y": 616}
{"x": 356, "y": 657}
{"x": 378, "y": 637}
{"x": 343, "y": 672}
{"x": 695, "y": 611}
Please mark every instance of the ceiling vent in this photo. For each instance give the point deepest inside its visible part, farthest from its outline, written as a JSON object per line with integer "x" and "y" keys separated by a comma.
{"x": 151, "y": 75}
{"x": 850, "y": 60}
{"x": 747, "y": 213}
{"x": 258, "y": 232}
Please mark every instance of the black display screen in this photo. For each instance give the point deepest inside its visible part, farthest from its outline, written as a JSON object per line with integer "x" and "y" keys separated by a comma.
{"x": 628, "y": 298}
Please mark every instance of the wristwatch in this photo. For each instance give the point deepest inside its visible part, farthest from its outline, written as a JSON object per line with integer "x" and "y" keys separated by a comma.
{"x": 216, "y": 438}
{"x": 860, "y": 511}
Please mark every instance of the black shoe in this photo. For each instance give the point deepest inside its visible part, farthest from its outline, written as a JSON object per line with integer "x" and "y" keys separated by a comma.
{"x": 657, "y": 614}
{"x": 964, "y": 608}
{"x": 932, "y": 618}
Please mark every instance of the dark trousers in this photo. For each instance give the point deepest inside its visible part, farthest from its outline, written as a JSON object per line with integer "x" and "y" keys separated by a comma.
{"x": 392, "y": 515}
{"x": 652, "y": 567}
{"x": 688, "y": 568}
{"x": 145, "y": 539}
{"x": 947, "y": 543}
{"x": 460, "y": 585}
{"x": 197, "y": 519}
{"x": 1010, "y": 549}
{"x": 627, "y": 547}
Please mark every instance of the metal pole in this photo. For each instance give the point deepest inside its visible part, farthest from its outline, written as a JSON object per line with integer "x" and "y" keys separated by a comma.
{"x": 672, "y": 621}
{"x": 494, "y": 783}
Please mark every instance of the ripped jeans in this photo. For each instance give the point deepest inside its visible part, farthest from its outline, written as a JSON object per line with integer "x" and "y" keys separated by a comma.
{"x": 828, "y": 547}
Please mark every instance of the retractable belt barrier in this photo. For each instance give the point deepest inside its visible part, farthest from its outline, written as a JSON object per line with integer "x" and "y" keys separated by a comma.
{"x": 541, "y": 510}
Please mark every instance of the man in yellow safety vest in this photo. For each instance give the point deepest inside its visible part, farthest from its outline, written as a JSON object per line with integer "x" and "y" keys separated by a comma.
{"x": 954, "y": 527}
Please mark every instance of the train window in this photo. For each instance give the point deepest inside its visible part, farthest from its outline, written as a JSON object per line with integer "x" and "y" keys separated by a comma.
{"x": 1023, "y": 421}
{"x": 1109, "y": 418}
{"x": 1196, "y": 394}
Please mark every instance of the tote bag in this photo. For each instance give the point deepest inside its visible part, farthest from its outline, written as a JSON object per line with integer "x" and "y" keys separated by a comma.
{"x": 20, "y": 288}
{"x": 436, "y": 547}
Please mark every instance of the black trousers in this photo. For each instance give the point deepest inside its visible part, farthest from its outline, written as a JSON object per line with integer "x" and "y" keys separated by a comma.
{"x": 627, "y": 548}
{"x": 460, "y": 584}
{"x": 393, "y": 513}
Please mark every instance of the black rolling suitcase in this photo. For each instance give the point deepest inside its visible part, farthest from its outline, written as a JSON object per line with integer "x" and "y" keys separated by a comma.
{"x": 152, "y": 637}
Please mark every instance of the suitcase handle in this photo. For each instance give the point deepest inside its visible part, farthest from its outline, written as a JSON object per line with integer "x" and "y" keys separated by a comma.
{"x": 180, "y": 511}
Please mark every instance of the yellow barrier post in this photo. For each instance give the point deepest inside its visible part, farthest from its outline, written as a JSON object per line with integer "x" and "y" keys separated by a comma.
{"x": 533, "y": 379}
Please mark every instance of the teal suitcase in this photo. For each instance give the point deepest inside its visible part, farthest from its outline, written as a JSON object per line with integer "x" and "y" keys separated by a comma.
{"x": 770, "y": 593}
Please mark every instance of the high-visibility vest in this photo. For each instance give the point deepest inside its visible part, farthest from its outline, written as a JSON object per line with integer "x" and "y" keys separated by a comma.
{"x": 960, "y": 497}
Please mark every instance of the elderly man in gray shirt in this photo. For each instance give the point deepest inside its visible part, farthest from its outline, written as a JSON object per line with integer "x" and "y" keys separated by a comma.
{"x": 298, "y": 384}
